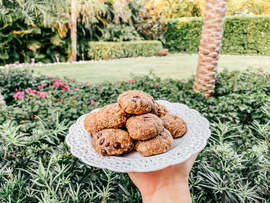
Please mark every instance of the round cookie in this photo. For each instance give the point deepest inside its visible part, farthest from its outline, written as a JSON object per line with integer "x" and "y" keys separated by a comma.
{"x": 112, "y": 116}
{"x": 156, "y": 145}
{"x": 112, "y": 142}
{"x": 136, "y": 102}
{"x": 144, "y": 127}
{"x": 90, "y": 123}
{"x": 159, "y": 110}
{"x": 177, "y": 126}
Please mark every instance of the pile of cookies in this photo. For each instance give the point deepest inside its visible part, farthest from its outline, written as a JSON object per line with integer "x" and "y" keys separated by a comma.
{"x": 135, "y": 122}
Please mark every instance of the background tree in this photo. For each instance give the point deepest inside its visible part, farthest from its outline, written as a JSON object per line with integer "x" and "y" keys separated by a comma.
{"x": 73, "y": 30}
{"x": 210, "y": 46}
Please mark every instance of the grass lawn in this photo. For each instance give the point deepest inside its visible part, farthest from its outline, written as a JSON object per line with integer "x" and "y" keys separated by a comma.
{"x": 175, "y": 66}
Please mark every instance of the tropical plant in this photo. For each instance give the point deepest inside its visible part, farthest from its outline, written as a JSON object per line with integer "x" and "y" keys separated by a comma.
{"x": 210, "y": 45}
{"x": 234, "y": 7}
{"x": 21, "y": 27}
{"x": 149, "y": 19}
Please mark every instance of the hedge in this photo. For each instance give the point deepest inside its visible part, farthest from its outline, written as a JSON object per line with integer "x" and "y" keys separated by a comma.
{"x": 112, "y": 50}
{"x": 242, "y": 35}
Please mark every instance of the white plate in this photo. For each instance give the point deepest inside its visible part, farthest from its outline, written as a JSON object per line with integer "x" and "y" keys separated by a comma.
{"x": 79, "y": 141}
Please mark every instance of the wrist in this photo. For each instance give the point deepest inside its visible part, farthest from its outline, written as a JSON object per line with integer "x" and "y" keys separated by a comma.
{"x": 175, "y": 192}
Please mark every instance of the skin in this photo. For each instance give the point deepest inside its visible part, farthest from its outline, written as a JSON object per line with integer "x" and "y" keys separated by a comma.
{"x": 168, "y": 185}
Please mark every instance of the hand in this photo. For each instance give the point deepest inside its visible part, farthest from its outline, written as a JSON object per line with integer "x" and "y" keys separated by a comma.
{"x": 167, "y": 185}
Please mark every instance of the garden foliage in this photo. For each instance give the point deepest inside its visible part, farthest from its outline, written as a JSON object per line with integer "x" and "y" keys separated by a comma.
{"x": 39, "y": 31}
{"x": 242, "y": 35}
{"x": 193, "y": 8}
{"x": 36, "y": 164}
{"x": 111, "y": 50}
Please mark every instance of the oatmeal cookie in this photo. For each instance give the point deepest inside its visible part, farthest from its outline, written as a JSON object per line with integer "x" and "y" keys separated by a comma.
{"x": 109, "y": 142}
{"x": 159, "y": 110}
{"x": 177, "y": 126}
{"x": 90, "y": 123}
{"x": 136, "y": 102}
{"x": 112, "y": 116}
{"x": 144, "y": 127}
{"x": 156, "y": 145}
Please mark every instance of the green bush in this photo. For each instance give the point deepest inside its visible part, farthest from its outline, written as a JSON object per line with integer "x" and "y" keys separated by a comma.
{"x": 31, "y": 32}
{"x": 242, "y": 35}
{"x": 36, "y": 165}
{"x": 111, "y": 50}
{"x": 15, "y": 80}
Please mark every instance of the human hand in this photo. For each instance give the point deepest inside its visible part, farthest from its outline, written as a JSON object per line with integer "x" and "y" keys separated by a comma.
{"x": 167, "y": 185}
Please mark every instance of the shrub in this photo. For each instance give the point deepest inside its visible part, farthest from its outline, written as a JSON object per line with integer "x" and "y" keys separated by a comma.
{"x": 33, "y": 32}
{"x": 149, "y": 19}
{"x": 183, "y": 35}
{"x": 119, "y": 33}
{"x": 242, "y": 35}
{"x": 111, "y": 50}
{"x": 12, "y": 80}
{"x": 38, "y": 166}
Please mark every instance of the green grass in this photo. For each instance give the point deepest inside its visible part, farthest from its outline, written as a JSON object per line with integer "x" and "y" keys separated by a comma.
{"x": 176, "y": 66}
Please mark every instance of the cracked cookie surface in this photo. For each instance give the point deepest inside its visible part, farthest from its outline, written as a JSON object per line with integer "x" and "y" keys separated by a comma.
{"x": 136, "y": 102}
{"x": 144, "y": 127}
{"x": 176, "y": 125}
{"x": 156, "y": 145}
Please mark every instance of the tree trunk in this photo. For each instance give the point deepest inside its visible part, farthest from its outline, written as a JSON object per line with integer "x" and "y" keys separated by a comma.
{"x": 73, "y": 31}
{"x": 210, "y": 46}
{"x": 2, "y": 100}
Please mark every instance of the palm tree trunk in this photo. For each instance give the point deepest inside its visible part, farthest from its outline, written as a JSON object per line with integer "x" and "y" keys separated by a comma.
{"x": 73, "y": 31}
{"x": 210, "y": 46}
{"x": 2, "y": 100}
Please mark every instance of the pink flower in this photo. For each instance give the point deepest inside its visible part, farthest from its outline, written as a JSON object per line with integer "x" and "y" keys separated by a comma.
{"x": 71, "y": 79}
{"x": 268, "y": 75}
{"x": 55, "y": 84}
{"x": 42, "y": 95}
{"x": 16, "y": 95}
{"x": 61, "y": 84}
{"x": 207, "y": 95}
{"x": 101, "y": 86}
{"x": 34, "y": 92}
{"x": 54, "y": 80}
{"x": 39, "y": 86}
{"x": 93, "y": 102}
{"x": 16, "y": 89}
{"x": 58, "y": 100}
{"x": 22, "y": 92}
{"x": 261, "y": 70}
{"x": 131, "y": 80}
{"x": 158, "y": 85}
{"x": 66, "y": 87}
{"x": 43, "y": 85}
{"x": 28, "y": 90}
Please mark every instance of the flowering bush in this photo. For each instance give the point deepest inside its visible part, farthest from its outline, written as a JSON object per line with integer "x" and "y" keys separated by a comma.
{"x": 37, "y": 165}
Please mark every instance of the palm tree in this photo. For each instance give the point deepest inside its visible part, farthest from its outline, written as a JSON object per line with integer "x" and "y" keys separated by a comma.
{"x": 2, "y": 100}
{"x": 73, "y": 30}
{"x": 84, "y": 11}
{"x": 210, "y": 46}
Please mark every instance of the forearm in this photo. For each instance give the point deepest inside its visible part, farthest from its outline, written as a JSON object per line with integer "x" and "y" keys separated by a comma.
{"x": 178, "y": 193}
